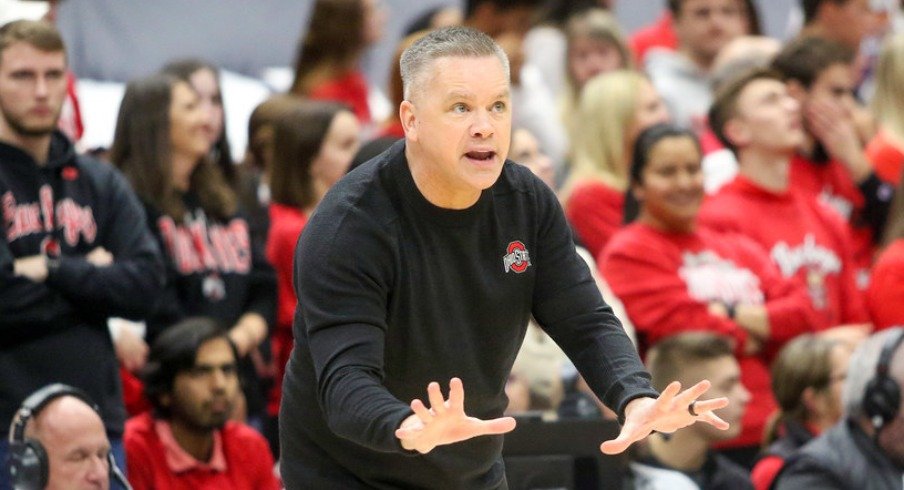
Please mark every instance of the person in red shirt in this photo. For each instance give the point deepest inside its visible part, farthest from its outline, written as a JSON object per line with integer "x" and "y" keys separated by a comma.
{"x": 189, "y": 442}
{"x": 885, "y": 296}
{"x": 313, "y": 145}
{"x": 615, "y": 108}
{"x": 831, "y": 164}
{"x": 328, "y": 57}
{"x": 807, "y": 379}
{"x": 757, "y": 119}
{"x": 674, "y": 276}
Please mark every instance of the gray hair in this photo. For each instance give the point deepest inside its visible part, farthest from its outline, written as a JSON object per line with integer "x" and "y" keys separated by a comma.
{"x": 445, "y": 42}
{"x": 862, "y": 369}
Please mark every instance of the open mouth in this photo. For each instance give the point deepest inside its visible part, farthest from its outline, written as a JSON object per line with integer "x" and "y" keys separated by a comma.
{"x": 481, "y": 155}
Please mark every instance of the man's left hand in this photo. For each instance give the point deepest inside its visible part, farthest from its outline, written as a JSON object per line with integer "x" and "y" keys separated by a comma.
{"x": 667, "y": 413}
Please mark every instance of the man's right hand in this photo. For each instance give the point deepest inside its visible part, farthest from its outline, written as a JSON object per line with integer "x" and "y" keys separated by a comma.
{"x": 33, "y": 268}
{"x": 445, "y": 421}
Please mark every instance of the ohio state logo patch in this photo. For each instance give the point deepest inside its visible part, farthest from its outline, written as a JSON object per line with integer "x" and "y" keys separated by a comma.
{"x": 516, "y": 259}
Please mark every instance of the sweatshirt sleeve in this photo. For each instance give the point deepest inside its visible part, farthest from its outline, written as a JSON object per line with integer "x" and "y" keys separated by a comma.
{"x": 853, "y": 305}
{"x": 788, "y": 305}
{"x": 128, "y": 288}
{"x": 343, "y": 276}
{"x": 877, "y": 195}
{"x": 569, "y": 307}
{"x": 655, "y": 296}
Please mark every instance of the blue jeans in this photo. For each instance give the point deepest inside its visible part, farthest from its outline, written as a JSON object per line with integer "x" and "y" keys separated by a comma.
{"x": 116, "y": 447}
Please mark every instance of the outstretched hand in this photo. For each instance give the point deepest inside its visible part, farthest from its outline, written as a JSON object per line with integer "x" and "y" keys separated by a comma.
{"x": 667, "y": 413}
{"x": 445, "y": 421}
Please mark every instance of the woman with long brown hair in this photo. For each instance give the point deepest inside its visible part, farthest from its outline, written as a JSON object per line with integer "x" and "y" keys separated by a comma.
{"x": 326, "y": 63}
{"x": 161, "y": 145}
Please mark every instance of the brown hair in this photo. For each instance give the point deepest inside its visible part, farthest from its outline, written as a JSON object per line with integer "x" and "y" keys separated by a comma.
{"x": 40, "y": 34}
{"x": 669, "y": 356}
{"x": 805, "y": 58}
{"x": 725, "y": 103}
{"x": 805, "y": 362}
{"x": 334, "y": 41}
{"x": 142, "y": 150}
{"x": 258, "y": 155}
{"x": 298, "y": 135}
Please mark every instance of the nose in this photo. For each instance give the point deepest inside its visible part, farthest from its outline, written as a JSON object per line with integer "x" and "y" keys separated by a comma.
{"x": 481, "y": 126}
{"x": 99, "y": 472}
{"x": 41, "y": 86}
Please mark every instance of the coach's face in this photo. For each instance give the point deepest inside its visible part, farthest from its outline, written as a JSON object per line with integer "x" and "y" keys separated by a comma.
{"x": 458, "y": 123}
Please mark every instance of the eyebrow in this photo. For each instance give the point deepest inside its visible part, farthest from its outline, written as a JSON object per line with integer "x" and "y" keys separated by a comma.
{"x": 459, "y": 94}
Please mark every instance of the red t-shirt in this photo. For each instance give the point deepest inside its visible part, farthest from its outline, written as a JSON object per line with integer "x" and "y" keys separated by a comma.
{"x": 660, "y": 34}
{"x": 886, "y": 291}
{"x": 350, "y": 89}
{"x": 803, "y": 237}
{"x": 286, "y": 224}
{"x": 596, "y": 211}
{"x": 249, "y": 463}
{"x": 667, "y": 281}
{"x": 886, "y": 157}
{"x": 832, "y": 184}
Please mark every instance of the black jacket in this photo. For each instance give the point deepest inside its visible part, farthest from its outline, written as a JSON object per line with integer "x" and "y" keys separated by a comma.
{"x": 842, "y": 458}
{"x": 56, "y": 331}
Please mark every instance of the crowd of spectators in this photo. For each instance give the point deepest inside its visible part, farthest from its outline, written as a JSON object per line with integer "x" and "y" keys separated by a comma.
{"x": 738, "y": 198}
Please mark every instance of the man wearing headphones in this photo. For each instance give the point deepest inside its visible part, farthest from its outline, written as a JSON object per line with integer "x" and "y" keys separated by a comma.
{"x": 865, "y": 450}
{"x": 58, "y": 441}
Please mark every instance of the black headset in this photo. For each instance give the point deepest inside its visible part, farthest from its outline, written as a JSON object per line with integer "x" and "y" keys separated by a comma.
{"x": 28, "y": 463}
{"x": 882, "y": 397}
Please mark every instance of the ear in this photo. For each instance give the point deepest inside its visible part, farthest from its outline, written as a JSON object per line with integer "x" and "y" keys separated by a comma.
{"x": 409, "y": 119}
{"x": 811, "y": 400}
{"x": 737, "y": 132}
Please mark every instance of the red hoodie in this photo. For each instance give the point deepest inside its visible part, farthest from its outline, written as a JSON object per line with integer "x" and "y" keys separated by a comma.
{"x": 886, "y": 292}
{"x": 286, "y": 224}
{"x": 668, "y": 280}
{"x": 595, "y": 210}
{"x": 804, "y": 238}
{"x": 832, "y": 184}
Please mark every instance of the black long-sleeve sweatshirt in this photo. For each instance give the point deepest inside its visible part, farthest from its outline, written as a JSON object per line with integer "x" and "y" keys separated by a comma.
{"x": 394, "y": 292}
{"x": 56, "y": 331}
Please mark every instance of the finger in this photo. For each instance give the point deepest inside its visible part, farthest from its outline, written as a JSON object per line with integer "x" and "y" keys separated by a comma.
{"x": 619, "y": 444}
{"x": 421, "y": 410}
{"x": 668, "y": 394}
{"x": 456, "y": 394}
{"x": 496, "y": 426}
{"x": 692, "y": 393}
{"x": 709, "y": 405}
{"x": 714, "y": 420}
{"x": 437, "y": 403}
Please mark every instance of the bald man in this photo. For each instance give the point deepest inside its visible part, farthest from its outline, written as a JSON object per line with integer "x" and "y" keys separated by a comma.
{"x": 74, "y": 438}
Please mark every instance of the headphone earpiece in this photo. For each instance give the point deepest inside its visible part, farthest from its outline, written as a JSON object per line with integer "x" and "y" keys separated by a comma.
{"x": 882, "y": 397}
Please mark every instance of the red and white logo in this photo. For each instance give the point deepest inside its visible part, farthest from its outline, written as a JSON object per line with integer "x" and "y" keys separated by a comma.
{"x": 516, "y": 259}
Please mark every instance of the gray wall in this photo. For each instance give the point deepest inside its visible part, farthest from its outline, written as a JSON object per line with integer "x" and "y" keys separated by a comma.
{"x": 121, "y": 39}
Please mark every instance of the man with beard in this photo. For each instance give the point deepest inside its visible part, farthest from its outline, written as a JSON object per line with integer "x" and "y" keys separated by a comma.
{"x": 188, "y": 441}
{"x": 74, "y": 248}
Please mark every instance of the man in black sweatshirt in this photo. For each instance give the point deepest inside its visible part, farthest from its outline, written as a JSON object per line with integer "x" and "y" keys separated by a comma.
{"x": 424, "y": 265}
{"x": 74, "y": 248}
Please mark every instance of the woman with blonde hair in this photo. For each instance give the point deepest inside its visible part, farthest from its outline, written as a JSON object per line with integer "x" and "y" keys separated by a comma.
{"x": 614, "y": 109}
{"x": 594, "y": 45}
{"x": 886, "y": 150}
